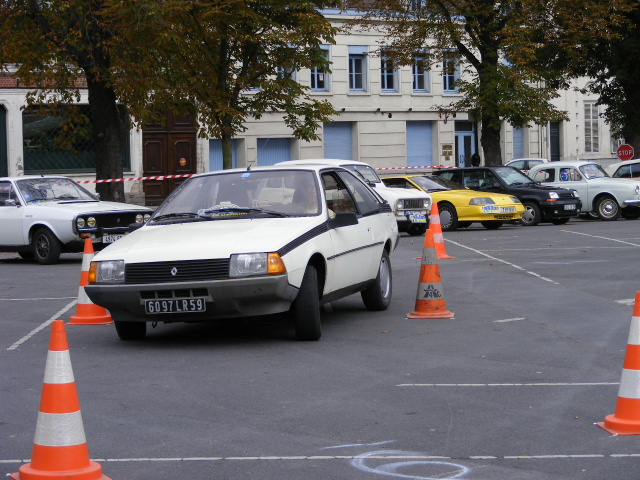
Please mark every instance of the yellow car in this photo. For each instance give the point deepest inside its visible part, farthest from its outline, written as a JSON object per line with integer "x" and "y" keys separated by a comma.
{"x": 460, "y": 207}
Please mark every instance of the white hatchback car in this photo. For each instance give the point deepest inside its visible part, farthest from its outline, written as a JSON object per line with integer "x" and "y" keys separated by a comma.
{"x": 410, "y": 207}
{"x": 602, "y": 196}
{"x": 43, "y": 216}
{"x": 250, "y": 242}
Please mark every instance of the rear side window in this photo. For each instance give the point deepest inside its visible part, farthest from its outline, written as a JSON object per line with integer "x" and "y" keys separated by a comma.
{"x": 366, "y": 201}
{"x": 545, "y": 175}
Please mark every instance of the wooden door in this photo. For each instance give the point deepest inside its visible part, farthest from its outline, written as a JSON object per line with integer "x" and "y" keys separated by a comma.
{"x": 168, "y": 149}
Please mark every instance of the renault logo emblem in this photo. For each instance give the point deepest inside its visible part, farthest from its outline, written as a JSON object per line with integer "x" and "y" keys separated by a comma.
{"x": 174, "y": 271}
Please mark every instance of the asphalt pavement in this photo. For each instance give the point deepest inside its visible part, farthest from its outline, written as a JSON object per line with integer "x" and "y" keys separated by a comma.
{"x": 511, "y": 388}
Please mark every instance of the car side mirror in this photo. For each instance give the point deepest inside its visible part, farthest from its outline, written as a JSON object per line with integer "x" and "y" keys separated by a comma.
{"x": 10, "y": 202}
{"x": 343, "y": 219}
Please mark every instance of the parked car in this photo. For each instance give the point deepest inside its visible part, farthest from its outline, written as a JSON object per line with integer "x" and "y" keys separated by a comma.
{"x": 411, "y": 208}
{"x": 44, "y": 216}
{"x": 542, "y": 203}
{"x": 627, "y": 169}
{"x": 460, "y": 207}
{"x": 602, "y": 196}
{"x": 249, "y": 242}
{"x": 525, "y": 164}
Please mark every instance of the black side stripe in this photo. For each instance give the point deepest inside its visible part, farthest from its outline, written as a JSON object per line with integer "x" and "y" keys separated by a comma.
{"x": 347, "y": 252}
{"x": 305, "y": 237}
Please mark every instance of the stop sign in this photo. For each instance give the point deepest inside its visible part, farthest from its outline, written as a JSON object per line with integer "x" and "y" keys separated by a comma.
{"x": 625, "y": 152}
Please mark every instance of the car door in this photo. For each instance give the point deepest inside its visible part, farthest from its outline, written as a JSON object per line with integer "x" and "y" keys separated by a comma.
{"x": 11, "y": 216}
{"x": 355, "y": 246}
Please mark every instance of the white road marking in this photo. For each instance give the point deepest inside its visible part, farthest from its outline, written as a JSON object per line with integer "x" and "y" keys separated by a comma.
{"x": 55, "y": 316}
{"x": 509, "y": 320}
{"x": 513, "y": 265}
{"x": 33, "y": 299}
{"x": 602, "y": 238}
{"x": 535, "y": 384}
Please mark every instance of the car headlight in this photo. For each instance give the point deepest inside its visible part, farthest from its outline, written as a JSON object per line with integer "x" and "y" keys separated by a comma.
{"x": 247, "y": 264}
{"x": 554, "y": 195}
{"x": 139, "y": 218}
{"x": 147, "y": 216}
{"x": 637, "y": 189}
{"x": 80, "y": 223}
{"x": 576, "y": 194}
{"x": 399, "y": 205}
{"x": 481, "y": 201}
{"x": 91, "y": 222}
{"x": 109, "y": 271}
{"x": 427, "y": 203}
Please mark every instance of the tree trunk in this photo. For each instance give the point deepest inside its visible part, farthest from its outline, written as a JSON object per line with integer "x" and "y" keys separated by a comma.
{"x": 490, "y": 142}
{"x": 107, "y": 137}
{"x": 227, "y": 151}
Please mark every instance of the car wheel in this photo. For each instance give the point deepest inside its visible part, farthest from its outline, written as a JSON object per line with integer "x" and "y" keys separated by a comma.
{"x": 448, "y": 217}
{"x": 532, "y": 216}
{"x": 377, "y": 297}
{"x": 130, "y": 330}
{"x": 631, "y": 213}
{"x": 46, "y": 247}
{"x": 559, "y": 221}
{"x": 607, "y": 208}
{"x": 306, "y": 307}
{"x": 492, "y": 225}
{"x": 416, "y": 229}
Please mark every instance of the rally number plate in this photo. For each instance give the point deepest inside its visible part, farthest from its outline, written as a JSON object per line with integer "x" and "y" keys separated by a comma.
{"x": 181, "y": 305}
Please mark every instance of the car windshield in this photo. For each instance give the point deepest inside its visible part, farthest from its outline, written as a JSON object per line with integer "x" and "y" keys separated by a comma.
{"x": 367, "y": 173}
{"x": 592, "y": 171}
{"x": 38, "y": 190}
{"x": 241, "y": 194}
{"x": 511, "y": 176}
{"x": 435, "y": 184}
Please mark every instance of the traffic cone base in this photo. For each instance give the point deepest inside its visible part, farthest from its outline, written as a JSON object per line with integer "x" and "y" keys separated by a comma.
{"x": 60, "y": 448}
{"x": 626, "y": 419}
{"x": 87, "y": 312}
{"x": 430, "y": 300}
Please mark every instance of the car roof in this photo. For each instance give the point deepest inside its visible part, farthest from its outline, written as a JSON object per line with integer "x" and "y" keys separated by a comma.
{"x": 323, "y": 161}
{"x": 267, "y": 168}
{"x": 567, "y": 163}
{"x": 614, "y": 166}
{"x": 528, "y": 158}
{"x": 28, "y": 177}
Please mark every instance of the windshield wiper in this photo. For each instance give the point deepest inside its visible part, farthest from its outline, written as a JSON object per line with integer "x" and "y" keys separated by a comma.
{"x": 175, "y": 215}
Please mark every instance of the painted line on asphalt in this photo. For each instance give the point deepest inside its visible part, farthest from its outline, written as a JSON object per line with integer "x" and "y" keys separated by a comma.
{"x": 517, "y": 267}
{"x": 506, "y": 320}
{"x": 534, "y": 384}
{"x": 33, "y": 299}
{"x": 33, "y": 332}
{"x": 353, "y": 457}
{"x": 602, "y": 238}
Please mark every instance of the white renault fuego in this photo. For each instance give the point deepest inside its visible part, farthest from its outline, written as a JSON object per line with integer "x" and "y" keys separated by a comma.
{"x": 238, "y": 243}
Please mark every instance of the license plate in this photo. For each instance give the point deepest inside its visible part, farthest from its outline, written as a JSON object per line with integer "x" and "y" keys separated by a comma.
{"x": 570, "y": 207}
{"x": 181, "y": 305}
{"x": 493, "y": 209}
{"x": 415, "y": 217}
{"x": 111, "y": 238}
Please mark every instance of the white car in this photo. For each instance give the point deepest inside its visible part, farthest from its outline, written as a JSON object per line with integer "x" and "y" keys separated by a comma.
{"x": 44, "y": 216}
{"x": 411, "y": 208}
{"x": 247, "y": 242}
{"x": 526, "y": 164}
{"x": 627, "y": 169}
{"x": 602, "y": 196}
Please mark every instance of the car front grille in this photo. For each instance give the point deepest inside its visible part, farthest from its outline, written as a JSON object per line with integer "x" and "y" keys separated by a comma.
{"x": 565, "y": 194}
{"x": 413, "y": 204}
{"x": 111, "y": 220}
{"x": 182, "y": 271}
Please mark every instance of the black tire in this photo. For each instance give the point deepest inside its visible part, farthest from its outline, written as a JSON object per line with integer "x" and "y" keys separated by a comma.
{"x": 492, "y": 225}
{"x": 631, "y": 213}
{"x": 130, "y": 330}
{"x": 448, "y": 217}
{"x": 560, "y": 221}
{"x": 306, "y": 307}
{"x": 416, "y": 229}
{"x": 46, "y": 247}
{"x": 377, "y": 297}
{"x": 607, "y": 209}
{"x": 532, "y": 215}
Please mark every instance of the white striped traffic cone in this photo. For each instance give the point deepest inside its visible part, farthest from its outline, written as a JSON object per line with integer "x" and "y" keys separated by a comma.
{"x": 87, "y": 312}
{"x": 60, "y": 448}
{"x": 626, "y": 420}
{"x": 436, "y": 228}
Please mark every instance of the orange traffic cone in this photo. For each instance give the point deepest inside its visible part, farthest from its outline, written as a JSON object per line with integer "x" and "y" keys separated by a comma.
{"x": 430, "y": 302}
{"x": 87, "y": 312}
{"x": 60, "y": 449}
{"x": 436, "y": 227}
{"x": 626, "y": 420}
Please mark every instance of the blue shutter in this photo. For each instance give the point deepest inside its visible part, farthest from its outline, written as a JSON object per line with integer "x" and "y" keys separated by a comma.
{"x": 4, "y": 167}
{"x": 518, "y": 143}
{"x": 419, "y": 143}
{"x": 273, "y": 150}
{"x": 338, "y": 140}
{"x": 215, "y": 155}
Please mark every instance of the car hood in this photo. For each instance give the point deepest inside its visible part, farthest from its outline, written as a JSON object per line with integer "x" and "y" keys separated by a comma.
{"x": 466, "y": 196}
{"x": 381, "y": 188}
{"x": 535, "y": 186}
{"x": 88, "y": 207}
{"x": 207, "y": 239}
